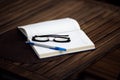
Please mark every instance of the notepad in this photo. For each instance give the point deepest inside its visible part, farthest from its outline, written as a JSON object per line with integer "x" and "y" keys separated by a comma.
{"x": 65, "y": 26}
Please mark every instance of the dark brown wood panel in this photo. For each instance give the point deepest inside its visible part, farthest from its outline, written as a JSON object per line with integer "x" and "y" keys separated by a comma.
{"x": 101, "y": 23}
{"x": 109, "y": 66}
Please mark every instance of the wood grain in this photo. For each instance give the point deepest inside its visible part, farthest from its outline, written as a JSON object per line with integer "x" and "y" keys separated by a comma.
{"x": 101, "y": 23}
{"x": 109, "y": 66}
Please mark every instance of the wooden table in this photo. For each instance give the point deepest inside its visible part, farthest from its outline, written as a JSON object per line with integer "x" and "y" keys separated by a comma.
{"x": 100, "y": 21}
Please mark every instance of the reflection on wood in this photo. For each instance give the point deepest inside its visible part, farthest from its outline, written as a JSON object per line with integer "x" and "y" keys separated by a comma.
{"x": 100, "y": 21}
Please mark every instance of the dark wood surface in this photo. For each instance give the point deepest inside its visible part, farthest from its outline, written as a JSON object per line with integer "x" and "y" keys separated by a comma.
{"x": 101, "y": 22}
{"x": 109, "y": 66}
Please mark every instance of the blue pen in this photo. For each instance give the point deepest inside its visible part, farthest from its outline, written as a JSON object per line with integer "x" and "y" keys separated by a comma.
{"x": 46, "y": 46}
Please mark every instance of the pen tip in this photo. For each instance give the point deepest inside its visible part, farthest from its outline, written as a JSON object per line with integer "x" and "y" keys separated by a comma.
{"x": 28, "y": 42}
{"x": 60, "y": 49}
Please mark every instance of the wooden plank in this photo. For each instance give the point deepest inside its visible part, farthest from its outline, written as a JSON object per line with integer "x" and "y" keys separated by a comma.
{"x": 7, "y": 65}
{"x": 50, "y": 65}
{"x": 75, "y": 61}
{"x": 109, "y": 66}
{"x": 100, "y": 22}
{"x": 103, "y": 30}
{"x": 23, "y": 12}
{"x": 55, "y": 12}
